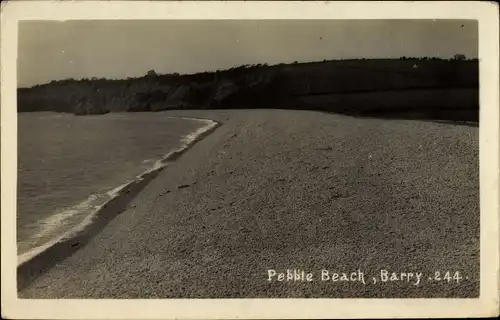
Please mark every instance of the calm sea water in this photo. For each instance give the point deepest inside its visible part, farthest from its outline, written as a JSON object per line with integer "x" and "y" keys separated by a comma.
{"x": 69, "y": 165}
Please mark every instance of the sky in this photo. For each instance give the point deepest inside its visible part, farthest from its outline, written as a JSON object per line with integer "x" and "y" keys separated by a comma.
{"x": 117, "y": 49}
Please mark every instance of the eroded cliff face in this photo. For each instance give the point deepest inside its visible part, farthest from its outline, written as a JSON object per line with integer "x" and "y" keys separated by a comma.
{"x": 91, "y": 105}
{"x": 356, "y": 86}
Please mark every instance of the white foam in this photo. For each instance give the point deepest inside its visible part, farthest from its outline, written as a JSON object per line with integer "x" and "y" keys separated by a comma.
{"x": 185, "y": 140}
{"x": 116, "y": 191}
{"x": 57, "y": 219}
{"x": 52, "y": 222}
{"x": 189, "y": 138}
{"x": 192, "y": 136}
{"x": 22, "y": 258}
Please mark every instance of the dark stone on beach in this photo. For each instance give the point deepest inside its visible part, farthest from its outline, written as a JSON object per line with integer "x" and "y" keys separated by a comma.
{"x": 183, "y": 186}
{"x": 165, "y": 192}
{"x": 244, "y": 230}
{"x": 325, "y": 149}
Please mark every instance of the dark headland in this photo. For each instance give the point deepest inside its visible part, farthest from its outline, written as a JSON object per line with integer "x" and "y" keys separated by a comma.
{"x": 410, "y": 88}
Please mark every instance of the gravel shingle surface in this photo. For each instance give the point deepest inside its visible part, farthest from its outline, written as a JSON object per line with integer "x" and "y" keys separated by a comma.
{"x": 278, "y": 189}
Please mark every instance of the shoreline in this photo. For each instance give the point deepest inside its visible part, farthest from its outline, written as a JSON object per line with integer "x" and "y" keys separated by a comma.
{"x": 41, "y": 258}
{"x": 255, "y": 194}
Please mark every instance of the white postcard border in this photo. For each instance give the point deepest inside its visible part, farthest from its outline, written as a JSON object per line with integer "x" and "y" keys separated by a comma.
{"x": 487, "y": 305}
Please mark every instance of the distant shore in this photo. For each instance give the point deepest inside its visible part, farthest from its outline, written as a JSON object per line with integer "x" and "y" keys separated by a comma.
{"x": 402, "y": 88}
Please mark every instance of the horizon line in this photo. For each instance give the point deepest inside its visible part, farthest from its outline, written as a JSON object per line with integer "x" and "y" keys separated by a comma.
{"x": 256, "y": 65}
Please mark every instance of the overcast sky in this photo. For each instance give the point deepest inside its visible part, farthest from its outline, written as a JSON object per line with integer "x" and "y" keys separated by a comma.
{"x": 51, "y": 50}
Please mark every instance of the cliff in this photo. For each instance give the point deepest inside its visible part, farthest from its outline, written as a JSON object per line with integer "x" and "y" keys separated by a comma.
{"x": 415, "y": 88}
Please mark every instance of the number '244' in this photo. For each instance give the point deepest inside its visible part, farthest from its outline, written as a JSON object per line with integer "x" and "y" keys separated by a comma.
{"x": 448, "y": 276}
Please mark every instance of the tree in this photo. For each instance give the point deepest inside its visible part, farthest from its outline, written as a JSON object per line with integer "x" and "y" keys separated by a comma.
{"x": 151, "y": 73}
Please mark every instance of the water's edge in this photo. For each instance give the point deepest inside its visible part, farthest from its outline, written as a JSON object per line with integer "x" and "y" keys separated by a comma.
{"x": 37, "y": 260}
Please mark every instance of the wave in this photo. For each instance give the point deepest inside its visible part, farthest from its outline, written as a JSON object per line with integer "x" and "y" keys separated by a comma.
{"x": 70, "y": 219}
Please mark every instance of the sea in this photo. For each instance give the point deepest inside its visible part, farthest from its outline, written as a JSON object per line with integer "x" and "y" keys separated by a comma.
{"x": 69, "y": 166}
